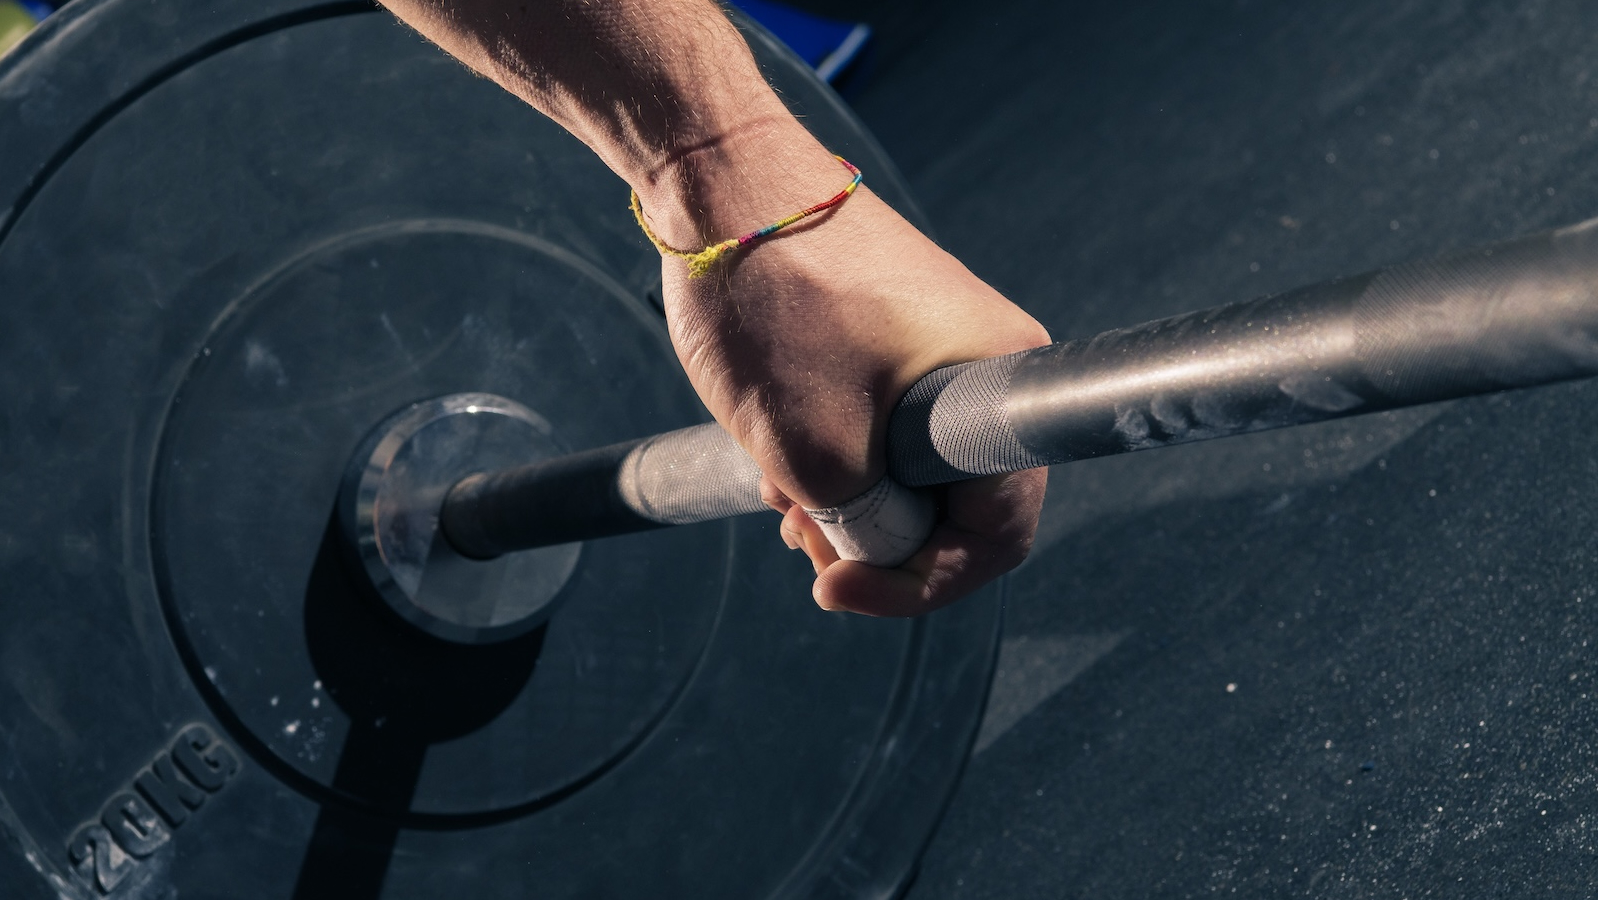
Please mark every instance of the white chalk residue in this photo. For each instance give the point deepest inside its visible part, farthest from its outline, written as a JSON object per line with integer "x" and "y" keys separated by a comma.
{"x": 1098, "y": 491}
{"x": 261, "y": 364}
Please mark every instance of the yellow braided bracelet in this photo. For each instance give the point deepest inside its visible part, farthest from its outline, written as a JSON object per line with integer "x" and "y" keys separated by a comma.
{"x": 699, "y": 263}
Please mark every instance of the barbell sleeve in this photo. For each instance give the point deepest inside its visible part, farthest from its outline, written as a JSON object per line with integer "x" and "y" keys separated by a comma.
{"x": 680, "y": 477}
{"x": 1514, "y": 315}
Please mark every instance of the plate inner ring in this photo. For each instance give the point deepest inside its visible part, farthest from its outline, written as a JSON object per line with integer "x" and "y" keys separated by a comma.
{"x": 309, "y": 670}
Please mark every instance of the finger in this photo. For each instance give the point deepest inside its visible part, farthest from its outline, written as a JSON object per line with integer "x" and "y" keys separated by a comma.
{"x": 987, "y": 531}
{"x": 800, "y": 532}
{"x": 772, "y": 496}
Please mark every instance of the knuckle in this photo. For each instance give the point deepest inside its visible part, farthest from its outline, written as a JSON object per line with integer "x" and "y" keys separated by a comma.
{"x": 1035, "y": 335}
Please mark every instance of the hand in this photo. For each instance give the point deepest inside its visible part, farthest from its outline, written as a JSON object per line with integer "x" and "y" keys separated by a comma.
{"x": 801, "y": 344}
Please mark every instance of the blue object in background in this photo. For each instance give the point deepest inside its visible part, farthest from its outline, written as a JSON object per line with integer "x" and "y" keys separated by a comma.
{"x": 829, "y": 46}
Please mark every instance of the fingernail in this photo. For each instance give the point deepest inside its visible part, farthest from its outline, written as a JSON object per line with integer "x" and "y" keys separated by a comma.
{"x": 790, "y": 540}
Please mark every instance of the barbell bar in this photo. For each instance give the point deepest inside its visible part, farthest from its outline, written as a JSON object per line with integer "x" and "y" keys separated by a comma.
{"x": 1513, "y": 315}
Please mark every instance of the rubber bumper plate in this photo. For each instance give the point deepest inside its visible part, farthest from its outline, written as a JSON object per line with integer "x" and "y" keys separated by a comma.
{"x": 236, "y": 239}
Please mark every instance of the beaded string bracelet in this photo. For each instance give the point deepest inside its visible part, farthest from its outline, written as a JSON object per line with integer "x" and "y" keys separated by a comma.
{"x": 700, "y": 263}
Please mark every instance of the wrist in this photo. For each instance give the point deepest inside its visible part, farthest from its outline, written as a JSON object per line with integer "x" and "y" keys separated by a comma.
{"x": 744, "y": 179}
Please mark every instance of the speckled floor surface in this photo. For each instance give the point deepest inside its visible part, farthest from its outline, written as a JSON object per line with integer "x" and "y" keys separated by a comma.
{"x": 1352, "y": 660}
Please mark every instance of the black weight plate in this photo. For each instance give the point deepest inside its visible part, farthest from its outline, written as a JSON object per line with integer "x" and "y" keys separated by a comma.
{"x": 227, "y": 254}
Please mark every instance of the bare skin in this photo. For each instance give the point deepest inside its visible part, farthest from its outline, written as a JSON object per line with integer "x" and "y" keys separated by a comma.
{"x": 801, "y": 345}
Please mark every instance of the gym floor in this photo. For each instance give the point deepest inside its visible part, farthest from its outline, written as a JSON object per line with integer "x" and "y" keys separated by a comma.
{"x": 1348, "y": 660}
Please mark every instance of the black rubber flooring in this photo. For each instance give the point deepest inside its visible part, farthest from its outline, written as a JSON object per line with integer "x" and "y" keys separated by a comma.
{"x": 1351, "y": 660}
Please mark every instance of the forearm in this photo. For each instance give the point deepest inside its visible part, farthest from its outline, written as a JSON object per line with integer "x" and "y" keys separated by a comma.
{"x": 664, "y": 91}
